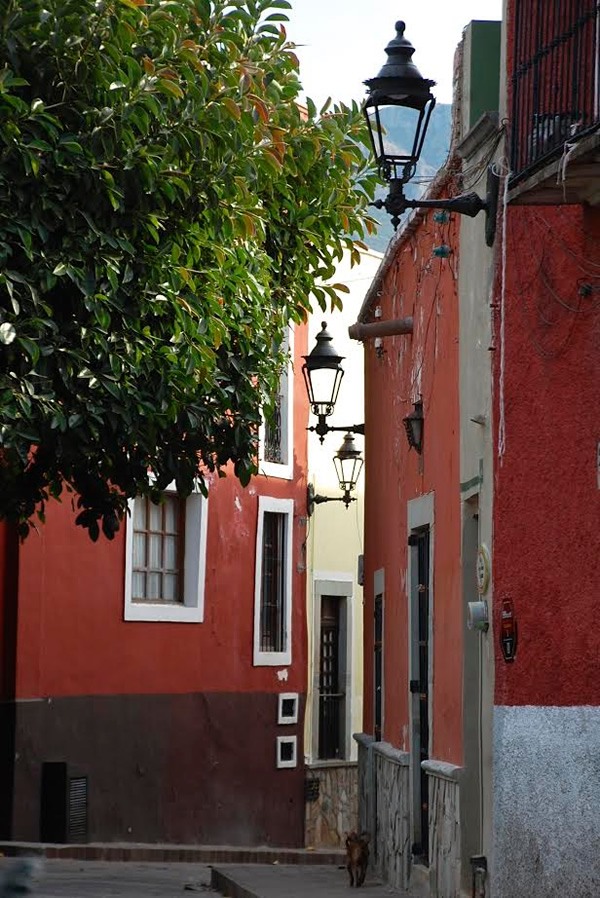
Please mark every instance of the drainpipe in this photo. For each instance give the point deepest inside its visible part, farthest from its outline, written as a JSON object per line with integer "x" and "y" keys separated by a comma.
{"x": 392, "y": 328}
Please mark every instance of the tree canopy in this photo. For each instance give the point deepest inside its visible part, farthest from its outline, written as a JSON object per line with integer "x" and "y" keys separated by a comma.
{"x": 166, "y": 209}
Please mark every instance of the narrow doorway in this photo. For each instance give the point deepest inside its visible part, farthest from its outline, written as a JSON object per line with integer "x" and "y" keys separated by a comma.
{"x": 378, "y": 668}
{"x": 419, "y": 688}
{"x": 331, "y": 678}
{"x": 471, "y": 809}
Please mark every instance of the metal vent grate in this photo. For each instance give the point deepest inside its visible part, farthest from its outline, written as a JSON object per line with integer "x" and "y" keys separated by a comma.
{"x": 312, "y": 789}
{"x": 78, "y": 801}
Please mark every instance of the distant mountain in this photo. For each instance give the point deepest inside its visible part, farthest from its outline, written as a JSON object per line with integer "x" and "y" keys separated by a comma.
{"x": 433, "y": 156}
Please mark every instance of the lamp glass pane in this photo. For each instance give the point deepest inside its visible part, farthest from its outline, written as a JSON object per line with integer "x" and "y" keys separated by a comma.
{"x": 348, "y": 471}
{"x": 417, "y": 429}
{"x": 396, "y": 135}
{"x": 324, "y": 386}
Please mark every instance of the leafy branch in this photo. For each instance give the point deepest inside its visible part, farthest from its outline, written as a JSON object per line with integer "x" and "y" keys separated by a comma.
{"x": 166, "y": 209}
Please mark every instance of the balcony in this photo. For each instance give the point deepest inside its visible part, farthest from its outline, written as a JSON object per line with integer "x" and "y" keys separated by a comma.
{"x": 555, "y": 113}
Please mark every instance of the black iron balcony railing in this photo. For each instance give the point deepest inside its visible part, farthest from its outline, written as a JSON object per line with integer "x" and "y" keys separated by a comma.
{"x": 556, "y": 79}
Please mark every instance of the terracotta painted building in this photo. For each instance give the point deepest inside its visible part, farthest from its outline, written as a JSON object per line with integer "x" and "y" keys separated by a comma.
{"x": 412, "y": 716}
{"x": 478, "y": 758}
{"x": 150, "y": 695}
{"x": 546, "y": 720}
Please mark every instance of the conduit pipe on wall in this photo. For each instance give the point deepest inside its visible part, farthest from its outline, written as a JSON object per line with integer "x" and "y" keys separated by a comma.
{"x": 392, "y": 328}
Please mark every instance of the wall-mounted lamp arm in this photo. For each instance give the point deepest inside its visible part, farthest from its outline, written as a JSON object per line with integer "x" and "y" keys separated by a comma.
{"x": 395, "y": 204}
{"x": 322, "y": 428}
{"x": 471, "y": 204}
{"x": 313, "y": 499}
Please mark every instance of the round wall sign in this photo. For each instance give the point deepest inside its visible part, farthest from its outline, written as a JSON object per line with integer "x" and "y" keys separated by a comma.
{"x": 483, "y": 569}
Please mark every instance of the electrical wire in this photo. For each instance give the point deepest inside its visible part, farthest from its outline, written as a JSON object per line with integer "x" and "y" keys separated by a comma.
{"x": 540, "y": 309}
{"x": 468, "y": 175}
{"x": 554, "y": 232}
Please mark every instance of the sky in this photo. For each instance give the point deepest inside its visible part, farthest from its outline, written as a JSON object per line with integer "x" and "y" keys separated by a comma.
{"x": 343, "y": 41}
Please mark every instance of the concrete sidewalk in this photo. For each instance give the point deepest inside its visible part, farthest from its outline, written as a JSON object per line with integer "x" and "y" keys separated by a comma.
{"x": 293, "y": 881}
{"x": 168, "y": 872}
{"x": 110, "y": 879}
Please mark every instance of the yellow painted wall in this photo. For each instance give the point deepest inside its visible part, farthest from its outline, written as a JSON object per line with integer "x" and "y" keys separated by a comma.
{"x": 334, "y": 533}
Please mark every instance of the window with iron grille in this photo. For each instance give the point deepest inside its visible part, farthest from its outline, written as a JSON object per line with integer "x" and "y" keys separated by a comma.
{"x": 165, "y": 559}
{"x": 276, "y": 436}
{"x": 272, "y": 611}
{"x": 272, "y": 630}
{"x": 274, "y": 450}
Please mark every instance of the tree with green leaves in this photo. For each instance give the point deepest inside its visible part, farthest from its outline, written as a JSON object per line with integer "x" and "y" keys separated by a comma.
{"x": 166, "y": 209}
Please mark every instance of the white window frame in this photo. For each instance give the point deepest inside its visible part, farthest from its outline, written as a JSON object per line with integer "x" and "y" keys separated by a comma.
{"x": 285, "y": 507}
{"x": 293, "y": 742}
{"x": 284, "y": 470}
{"x": 283, "y": 698}
{"x": 192, "y": 608}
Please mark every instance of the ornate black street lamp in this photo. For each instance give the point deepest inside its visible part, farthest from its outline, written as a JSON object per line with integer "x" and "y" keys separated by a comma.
{"x": 323, "y": 373}
{"x": 348, "y": 464}
{"x": 400, "y": 85}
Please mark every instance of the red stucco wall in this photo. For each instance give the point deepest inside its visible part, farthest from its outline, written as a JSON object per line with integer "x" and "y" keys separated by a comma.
{"x": 547, "y": 496}
{"x": 425, "y": 364}
{"x": 72, "y": 639}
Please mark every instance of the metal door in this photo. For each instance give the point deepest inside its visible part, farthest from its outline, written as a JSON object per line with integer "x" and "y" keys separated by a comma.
{"x": 331, "y": 694}
{"x": 419, "y": 687}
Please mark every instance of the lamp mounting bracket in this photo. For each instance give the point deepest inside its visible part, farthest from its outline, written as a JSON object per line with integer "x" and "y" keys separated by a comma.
{"x": 322, "y": 428}
{"x": 471, "y": 204}
{"x": 313, "y": 499}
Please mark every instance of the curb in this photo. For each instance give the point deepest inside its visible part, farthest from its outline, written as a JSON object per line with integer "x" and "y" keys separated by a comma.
{"x": 199, "y": 854}
{"x": 228, "y": 887}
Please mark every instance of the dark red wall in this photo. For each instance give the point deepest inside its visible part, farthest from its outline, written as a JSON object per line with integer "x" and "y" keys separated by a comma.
{"x": 547, "y": 496}
{"x": 186, "y": 769}
{"x": 419, "y": 284}
{"x": 9, "y": 550}
{"x": 171, "y": 722}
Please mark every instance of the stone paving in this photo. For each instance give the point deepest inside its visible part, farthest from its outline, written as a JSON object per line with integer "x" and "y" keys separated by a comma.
{"x": 69, "y": 878}
{"x": 275, "y": 881}
{"x": 108, "y": 879}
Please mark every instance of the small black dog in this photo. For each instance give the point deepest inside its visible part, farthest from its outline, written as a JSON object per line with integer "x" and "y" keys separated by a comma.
{"x": 357, "y": 857}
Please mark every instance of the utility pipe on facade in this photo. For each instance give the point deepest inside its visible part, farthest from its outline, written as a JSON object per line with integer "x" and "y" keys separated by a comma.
{"x": 394, "y": 328}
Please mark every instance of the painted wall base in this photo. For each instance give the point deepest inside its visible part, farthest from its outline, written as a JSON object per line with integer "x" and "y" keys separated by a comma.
{"x": 190, "y": 769}
{"x": 546, "y": 802}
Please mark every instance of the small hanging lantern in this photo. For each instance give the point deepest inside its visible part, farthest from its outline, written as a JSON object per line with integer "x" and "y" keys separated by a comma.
{"x": 348, "y": 464}
{"x": 414, "y": 424}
